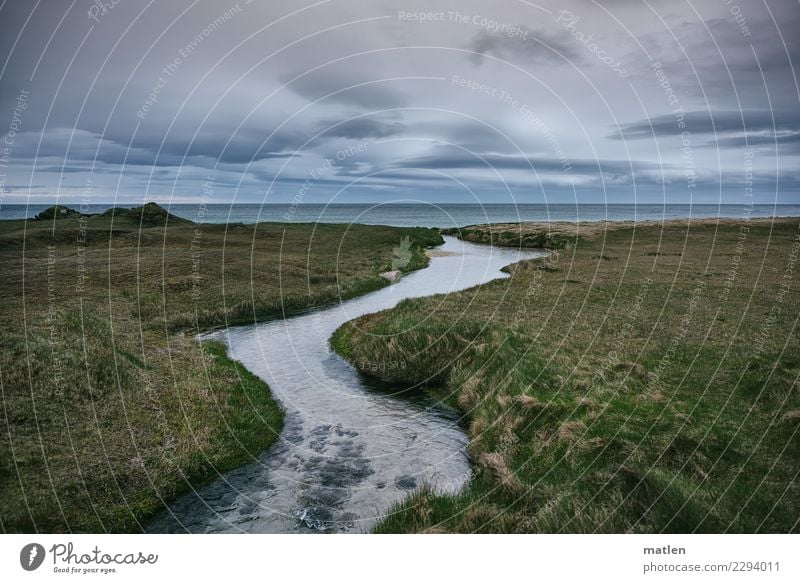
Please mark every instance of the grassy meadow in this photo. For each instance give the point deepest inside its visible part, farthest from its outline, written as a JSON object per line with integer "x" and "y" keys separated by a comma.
{"x": 110, "y": 407}
{"x": 639, "y": 379}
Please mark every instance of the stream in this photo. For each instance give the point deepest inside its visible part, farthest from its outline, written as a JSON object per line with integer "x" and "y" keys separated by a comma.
{"x": 349, "y": 449}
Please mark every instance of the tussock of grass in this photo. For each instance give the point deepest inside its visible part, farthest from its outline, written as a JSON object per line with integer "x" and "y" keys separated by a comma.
{"x": 610, "y": 396}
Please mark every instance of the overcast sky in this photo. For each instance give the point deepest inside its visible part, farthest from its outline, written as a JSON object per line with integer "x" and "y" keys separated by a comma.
{"x": 356, "y": 101}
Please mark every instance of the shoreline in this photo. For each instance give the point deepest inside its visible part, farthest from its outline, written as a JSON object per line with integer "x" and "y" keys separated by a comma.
{"x": 425, "y": 215}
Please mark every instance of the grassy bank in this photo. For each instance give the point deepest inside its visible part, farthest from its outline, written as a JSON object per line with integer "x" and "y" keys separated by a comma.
{"x": 638, "y": 380}
{"x": 109, "y": 405}
{"x": 553, "y": 235}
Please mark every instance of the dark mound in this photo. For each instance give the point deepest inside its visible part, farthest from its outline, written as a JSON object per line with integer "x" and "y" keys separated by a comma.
{"x": 148, "y": 215}
{"x": 56, "y": 212}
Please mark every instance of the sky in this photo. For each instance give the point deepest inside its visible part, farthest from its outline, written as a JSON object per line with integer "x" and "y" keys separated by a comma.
{"x": 510, "y": 101}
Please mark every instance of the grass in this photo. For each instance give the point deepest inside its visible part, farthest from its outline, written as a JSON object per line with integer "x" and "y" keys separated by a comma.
{"x": 641, "y": 379}
{"x": 110, "y": 408}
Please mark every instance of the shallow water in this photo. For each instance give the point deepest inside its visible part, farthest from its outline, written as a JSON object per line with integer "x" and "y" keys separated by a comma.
{"x": 349, "y": 450}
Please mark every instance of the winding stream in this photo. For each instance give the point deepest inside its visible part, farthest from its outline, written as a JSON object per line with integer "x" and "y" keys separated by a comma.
{"x": 348, "y": 451}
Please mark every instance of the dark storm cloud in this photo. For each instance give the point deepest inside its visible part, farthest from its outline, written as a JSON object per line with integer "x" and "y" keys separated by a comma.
{"x": 241, "y": 102}
{"x": 222, "y": 147}
{"x": 24, "y": 188}
{"x": 790, "y": 142}
{"x": 450, "y": 159}
{"x": 728, "y": 67}
{"x": 601, "y": 172}
{"x": 205, "y": 150}
{"x": 66, "y": 169}
{"x": 711, "y": 122}
{"x": 383, "y": 179}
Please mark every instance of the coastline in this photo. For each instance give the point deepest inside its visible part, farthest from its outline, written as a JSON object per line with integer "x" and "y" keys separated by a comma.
{"x": 445, "y": 215}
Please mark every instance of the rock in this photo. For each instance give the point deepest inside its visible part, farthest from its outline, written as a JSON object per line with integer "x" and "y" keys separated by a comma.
{"x": 391, "y": 276}
{"x": 406, "y": 482}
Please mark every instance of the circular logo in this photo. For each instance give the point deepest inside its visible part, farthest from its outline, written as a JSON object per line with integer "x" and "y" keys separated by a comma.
{"x": 31, "y": 556}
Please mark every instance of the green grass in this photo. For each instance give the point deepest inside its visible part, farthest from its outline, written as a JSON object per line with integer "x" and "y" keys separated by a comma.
{"x": 109, "y": 405}
{"x": 541, "y": 235}
{"x": 639, "y": 380}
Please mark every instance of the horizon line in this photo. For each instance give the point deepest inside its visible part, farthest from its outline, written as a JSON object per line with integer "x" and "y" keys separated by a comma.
{"x": 377, "y": 204}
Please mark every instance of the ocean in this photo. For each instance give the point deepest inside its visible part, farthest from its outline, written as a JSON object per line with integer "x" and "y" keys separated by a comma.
{"x": 437, "y": 215}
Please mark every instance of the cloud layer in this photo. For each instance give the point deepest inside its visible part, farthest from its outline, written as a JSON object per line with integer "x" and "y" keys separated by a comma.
{"x": 352, "y": 101}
